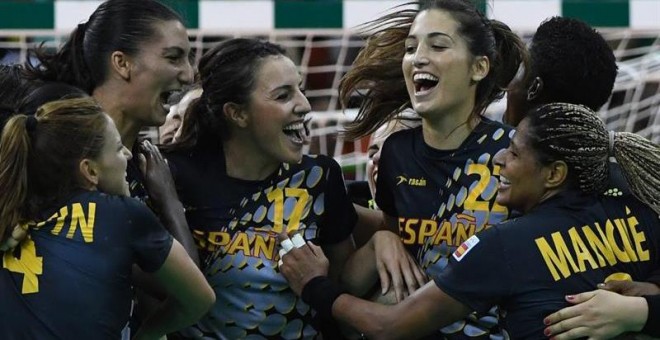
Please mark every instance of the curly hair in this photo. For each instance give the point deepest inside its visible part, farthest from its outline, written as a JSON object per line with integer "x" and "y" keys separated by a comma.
{"x": 574, "y": 61}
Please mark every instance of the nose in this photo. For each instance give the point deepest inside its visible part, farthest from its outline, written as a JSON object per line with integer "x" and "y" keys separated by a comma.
{"x": 303, "y": 106}
{"x": 420, "y": 58}
{"x": 127, "y": 153}
{"x": 375, "y": 159}
{"x": 498, "y": 159}
{"x": 187, "y": 73}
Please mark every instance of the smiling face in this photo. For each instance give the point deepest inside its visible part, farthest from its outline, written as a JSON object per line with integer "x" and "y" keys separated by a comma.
{"x": 437, "y": 65}
{"x": 159, "y": 68}
{"x": 111, "y": 162}
{"x": 276, "y": 110}
{"x": 522, "y": 177}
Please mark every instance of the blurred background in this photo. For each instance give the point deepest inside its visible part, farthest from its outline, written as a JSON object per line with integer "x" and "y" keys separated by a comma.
{"x": 322, "y": 38}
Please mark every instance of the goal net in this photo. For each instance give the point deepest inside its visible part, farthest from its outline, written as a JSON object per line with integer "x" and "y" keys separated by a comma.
{"x": 324, "y": 56}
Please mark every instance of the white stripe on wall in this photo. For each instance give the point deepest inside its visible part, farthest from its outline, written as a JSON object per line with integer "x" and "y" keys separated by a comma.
{"x": 357, "y": 12}
{"x": 523, "y": 14}
{"x": 236, "y": 15}
{"x": 644, "y": 14}
{"x": 69, "y": 13}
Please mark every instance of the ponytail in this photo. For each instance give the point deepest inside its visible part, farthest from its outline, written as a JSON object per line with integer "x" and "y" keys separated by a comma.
{"x": 14, "y": 150}
{"x": 67, "y": 65}
{"x": 510, "y": 52}
{"x": 640, "y": 161}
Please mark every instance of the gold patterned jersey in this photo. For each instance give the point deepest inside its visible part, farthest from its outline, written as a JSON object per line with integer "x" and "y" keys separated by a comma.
{"x": 235, "y": 224}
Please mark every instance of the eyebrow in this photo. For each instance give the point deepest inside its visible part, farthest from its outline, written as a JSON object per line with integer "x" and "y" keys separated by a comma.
{"x": 433, "y": 35}
{"x": 173, "y": 49}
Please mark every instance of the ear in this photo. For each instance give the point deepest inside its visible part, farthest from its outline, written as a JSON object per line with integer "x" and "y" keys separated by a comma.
{"x": 556, "y": 174}
{"x": 235, "y": 113}
{"x": 89, "y": 172}
{"x": 480, "y": 68}
{"x": 534, "y": 90}
{"x": 121, "y": 64}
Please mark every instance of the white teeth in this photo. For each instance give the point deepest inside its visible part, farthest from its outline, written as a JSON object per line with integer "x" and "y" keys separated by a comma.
{"x": 424, "y": 76}
{"x": 167, "y": 107}
{"x": 293, "y": 127}
{"x": 504, "y": 180}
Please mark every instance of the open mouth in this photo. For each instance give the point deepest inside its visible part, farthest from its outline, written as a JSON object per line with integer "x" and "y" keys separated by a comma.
{"x": 297, "y": 132}
{"x": 424, "y": 83}
{"x": 504, "y": 181}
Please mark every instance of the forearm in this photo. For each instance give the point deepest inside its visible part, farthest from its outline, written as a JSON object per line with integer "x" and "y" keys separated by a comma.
{"x": 360, "y": 273}
{"x": 172, "y": 215}
{"x": 170, "y": 316}
{"x": 369, "y": 221}
{"x": 420, "y": 314}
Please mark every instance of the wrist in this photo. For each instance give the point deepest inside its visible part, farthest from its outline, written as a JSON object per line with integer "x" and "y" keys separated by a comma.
{"x": 637, "y": 314}
{"x": 320, "y": 293}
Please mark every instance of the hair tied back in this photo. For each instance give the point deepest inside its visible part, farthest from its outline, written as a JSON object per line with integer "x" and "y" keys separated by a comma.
{"x": 31, "y": 123}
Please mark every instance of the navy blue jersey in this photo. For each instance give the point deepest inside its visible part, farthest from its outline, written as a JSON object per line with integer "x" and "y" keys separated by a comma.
{"x": 235, "y": 224}
{"x": 566, "y": 245}
{"x": 70, "y": 279}
{"x": 441, "y": 198}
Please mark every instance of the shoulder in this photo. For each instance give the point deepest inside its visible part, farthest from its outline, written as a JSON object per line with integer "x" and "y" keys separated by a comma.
{"x": 118, "y": 206}
{"x": 323, "y": 161}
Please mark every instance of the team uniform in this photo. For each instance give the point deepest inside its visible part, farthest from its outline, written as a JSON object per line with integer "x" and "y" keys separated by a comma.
{"x": 71, "y": 278}
{"x": 441, "y": 198}
{"x": 566, "y": 245}
{"x": 235, "y": 225}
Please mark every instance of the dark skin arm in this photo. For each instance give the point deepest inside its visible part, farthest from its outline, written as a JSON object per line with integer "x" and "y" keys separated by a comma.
{"x": 160, "y": 185}
{"x": 423, "y": 312}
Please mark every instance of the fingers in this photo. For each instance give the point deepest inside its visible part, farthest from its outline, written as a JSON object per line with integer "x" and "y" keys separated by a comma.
{"x": 410, "y": 279}
{"x": 420, "y": 275}
{"x": 384, "y": 277}
{"x": 397, "y": 284}
{"x": 572, "y": 333}
{"x": 561, "y": 315}
{"x": 142, "y": 163}
{"x": 616, "y": 286}
{"x": 582, "y": 297}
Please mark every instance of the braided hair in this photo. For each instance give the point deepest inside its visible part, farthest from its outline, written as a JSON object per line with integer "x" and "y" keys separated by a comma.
{"x": 576, "y": 135}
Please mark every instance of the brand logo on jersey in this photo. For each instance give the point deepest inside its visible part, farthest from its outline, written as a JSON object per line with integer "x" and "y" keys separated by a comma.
{"x": 416, "y": 182}
{"x": 465, "y": 248}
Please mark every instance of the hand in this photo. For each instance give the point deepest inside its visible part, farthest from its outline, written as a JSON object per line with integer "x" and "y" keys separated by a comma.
{"x": 631, "y": 288}
{"x": 396, "y": 266}
{"x": 156, "y": 171}
{"x": 300, "y": 265}
{"x": 18, "y": 234}
{"x": 597, "y": 314}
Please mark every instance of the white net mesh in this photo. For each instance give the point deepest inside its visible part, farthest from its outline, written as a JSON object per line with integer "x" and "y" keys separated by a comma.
{"x": 325, "y": 56}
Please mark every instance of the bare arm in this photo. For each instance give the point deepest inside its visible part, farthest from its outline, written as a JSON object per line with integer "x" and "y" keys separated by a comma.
{"x": 368, "y": 223}
{"x": 160, "y": 185}
{"x": 423, "y": 312}
{"x": 189, "y": 296}
{"x": 396, "y": 268}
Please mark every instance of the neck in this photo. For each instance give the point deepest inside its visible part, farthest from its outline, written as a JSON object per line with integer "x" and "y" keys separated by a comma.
{"x": 243, "y": 163}
{"x": 112, "y": 104}
{"x": 448, "y": 130}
